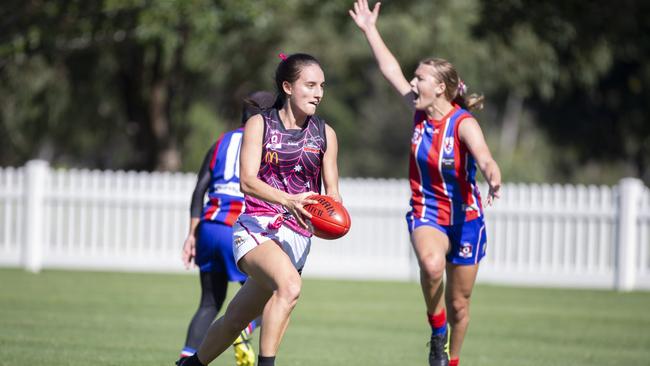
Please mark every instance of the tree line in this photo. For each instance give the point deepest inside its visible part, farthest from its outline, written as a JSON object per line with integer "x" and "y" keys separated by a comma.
{"x": 149, "y": 85}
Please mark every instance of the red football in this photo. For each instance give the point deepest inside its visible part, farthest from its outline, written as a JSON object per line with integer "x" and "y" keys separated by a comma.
{"x": 329, "y": 218}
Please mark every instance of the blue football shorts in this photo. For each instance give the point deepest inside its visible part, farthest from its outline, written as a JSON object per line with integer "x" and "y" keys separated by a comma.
{"x": 214, "y": 250}
{"x": 467, "y": 240}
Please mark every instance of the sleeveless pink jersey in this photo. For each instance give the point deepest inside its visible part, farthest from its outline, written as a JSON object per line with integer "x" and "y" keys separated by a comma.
{"x": 442, "y": 171}
{"x": 291, "y": 162}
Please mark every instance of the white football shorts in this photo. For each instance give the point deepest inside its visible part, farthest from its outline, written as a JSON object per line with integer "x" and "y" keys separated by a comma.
{"x": 251, "y": 231}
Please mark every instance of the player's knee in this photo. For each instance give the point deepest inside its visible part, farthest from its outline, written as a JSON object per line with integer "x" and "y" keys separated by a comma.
{"x": 433, "y": 267}
{"x": 460, "y": 311}
{"x": 289, "y": 290}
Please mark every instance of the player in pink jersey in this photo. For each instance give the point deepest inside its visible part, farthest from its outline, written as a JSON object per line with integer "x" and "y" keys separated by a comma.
{"x": 209, "y": 241}
{"x": 286, "y": 152}
{"x": 446, "y": 217}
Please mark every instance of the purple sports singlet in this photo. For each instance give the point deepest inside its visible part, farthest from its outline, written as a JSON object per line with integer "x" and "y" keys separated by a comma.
{"x": 291, "y": 162}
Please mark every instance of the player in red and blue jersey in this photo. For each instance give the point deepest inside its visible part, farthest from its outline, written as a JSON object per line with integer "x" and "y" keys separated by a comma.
{"x": 209, "y": 242}
{"x": 442, "y": 173}
{"x": 446, "y": 217}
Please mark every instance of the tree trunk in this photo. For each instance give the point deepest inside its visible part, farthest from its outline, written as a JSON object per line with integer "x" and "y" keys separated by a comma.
{"x": 511, "y": 122}
{"x": 167, "y": 155}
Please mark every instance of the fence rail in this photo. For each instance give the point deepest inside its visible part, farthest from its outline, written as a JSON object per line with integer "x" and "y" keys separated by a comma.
{"x": 548, "y": 235}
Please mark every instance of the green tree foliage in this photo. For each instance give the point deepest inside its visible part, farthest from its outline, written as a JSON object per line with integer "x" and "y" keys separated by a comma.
{"x": 595, "y": 105}
{"x": 111, "y": 83}
{"x": 144, "y": 84}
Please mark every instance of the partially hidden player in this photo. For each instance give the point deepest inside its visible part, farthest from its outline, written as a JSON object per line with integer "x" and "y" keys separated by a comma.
{"x": 446, "y": 217}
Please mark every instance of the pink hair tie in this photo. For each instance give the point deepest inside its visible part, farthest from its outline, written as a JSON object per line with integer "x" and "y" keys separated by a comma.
{"x": 282, "y": 56}
{"x": 462, "y": 88}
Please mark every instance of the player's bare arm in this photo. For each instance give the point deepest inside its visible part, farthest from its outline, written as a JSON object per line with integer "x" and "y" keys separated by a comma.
{"x": 366, "y": 20}
{"x": 330, "y": 167}
{"x": 470, "y": 133}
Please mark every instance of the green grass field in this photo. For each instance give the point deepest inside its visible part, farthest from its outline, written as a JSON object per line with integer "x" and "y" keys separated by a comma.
{"x": 88, "y": 318}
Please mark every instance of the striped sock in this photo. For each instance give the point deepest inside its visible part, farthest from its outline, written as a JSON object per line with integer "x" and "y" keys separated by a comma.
{"x": 187, "y": 351}
{"x": 438, "y": 322}
{"x": 251, "y": 327}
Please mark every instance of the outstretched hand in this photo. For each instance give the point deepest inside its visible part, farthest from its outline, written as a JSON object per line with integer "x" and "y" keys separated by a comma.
{"x": 363, "y": 16}
{"x": 493, "y": 194}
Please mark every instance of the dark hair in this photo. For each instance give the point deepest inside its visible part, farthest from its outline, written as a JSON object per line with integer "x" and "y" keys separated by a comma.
{"x": 255, "y": 103}
{"x": 289, "y": 70}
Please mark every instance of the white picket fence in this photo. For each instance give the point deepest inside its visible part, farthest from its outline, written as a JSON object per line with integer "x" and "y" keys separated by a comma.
{"x": 543, "y": 235}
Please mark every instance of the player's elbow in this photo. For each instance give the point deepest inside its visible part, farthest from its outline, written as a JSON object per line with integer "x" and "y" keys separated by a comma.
{"x": 246, "y": 184}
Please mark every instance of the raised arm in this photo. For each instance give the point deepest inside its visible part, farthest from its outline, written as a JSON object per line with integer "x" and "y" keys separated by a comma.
{"x": 330, "y": 167}
{"x": 470, "y": 133}
{"x": 366, "y": 20}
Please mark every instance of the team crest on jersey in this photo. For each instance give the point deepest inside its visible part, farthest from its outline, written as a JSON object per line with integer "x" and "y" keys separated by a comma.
{"x": 466, "y": 250}
{"x": 275, "y": 143}
{"x": 449, "y": 144}
{"x": 417, "y": 136}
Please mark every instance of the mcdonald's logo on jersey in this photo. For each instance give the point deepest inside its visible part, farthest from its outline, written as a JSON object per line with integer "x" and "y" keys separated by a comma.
{"x": 271, "y": 157}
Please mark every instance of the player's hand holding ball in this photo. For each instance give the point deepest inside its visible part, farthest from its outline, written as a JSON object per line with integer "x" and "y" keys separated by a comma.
{"x": 296, "y": 206}
{"x": 330, "y": 220}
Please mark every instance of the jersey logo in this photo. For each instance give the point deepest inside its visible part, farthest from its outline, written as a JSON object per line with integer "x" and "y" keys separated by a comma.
{"x": 311, "y": 150}
{"x": 274, "y": 144}
{"x": 239, "y": 241}
{"x": 465, "y": 250}
{"x": 449, "y": 145}
{"x": 271, "y": 157}
{"x": 417, "y": 136}
{"x": 448, "y": 164}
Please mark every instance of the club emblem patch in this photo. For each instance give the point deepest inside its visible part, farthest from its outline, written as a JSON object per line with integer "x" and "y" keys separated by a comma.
{"x": 466, "y": 250}
{"x": 449, "y": 144}
{"x": 417, "y": 136}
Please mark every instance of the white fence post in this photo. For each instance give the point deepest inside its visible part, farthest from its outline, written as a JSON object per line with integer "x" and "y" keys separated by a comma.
{"x": 630, "y": 190}
{"x": 35, "y": 174}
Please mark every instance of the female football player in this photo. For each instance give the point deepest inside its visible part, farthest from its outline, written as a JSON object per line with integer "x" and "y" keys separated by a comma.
{"x": 446, "y": 216}
{"x": 209, "y": 241}
{"x": 285, "y": 152}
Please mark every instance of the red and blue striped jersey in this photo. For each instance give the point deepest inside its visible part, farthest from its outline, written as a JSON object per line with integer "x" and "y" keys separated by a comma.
{"x": 225, "y": 200}
{"x": 442, "y": 171}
